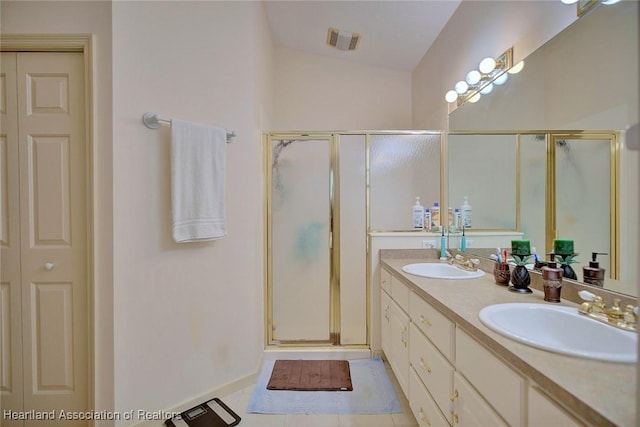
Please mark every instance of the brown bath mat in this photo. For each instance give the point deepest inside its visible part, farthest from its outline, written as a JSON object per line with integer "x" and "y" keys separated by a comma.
{"x": 311, "y": 375}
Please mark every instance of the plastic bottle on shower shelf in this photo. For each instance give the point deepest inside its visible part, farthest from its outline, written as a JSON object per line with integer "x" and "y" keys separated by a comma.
{"x": 427, "y": 219}
{"x": 435, "y": 216}
{"x": 465, "y": 213}
{"x": 457, "y": 223}
{"x": 418, "y": 215}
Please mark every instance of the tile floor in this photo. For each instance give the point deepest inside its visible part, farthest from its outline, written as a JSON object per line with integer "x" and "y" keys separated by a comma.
{"x": 240, "y": 400}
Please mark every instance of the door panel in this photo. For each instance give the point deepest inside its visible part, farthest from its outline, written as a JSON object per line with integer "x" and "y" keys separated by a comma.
{"x": 44, "y": 237}
{"x": 300, "y": 240}
{"x": 11, "y": 385}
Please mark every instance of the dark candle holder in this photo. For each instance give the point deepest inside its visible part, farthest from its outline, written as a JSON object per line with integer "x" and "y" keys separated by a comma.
{"x": 565, "y": 265}
{"x": 520, "y": 278}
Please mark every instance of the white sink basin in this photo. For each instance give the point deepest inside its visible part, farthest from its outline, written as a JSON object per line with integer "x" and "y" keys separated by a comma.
{"x": 561, "y": 330}
{"x": 440, "y": 271}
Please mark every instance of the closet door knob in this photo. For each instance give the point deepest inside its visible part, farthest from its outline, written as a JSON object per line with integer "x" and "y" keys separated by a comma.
{"x": 49, "y": 266}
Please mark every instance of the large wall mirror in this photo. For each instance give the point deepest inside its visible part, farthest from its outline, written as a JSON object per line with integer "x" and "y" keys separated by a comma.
{"x": 574, "y": 100}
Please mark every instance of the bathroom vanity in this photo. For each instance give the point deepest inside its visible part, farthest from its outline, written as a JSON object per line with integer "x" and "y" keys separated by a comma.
{"x": 457, "y": 372}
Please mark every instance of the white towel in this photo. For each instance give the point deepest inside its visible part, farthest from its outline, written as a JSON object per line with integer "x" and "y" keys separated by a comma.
{"x": 198, "y": 158}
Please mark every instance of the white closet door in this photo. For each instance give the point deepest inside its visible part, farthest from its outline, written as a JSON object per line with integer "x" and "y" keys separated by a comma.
{"x": 11, "y": 384}
{"x": 52, "y": 235}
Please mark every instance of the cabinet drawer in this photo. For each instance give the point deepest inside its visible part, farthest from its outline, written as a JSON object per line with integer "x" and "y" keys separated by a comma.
{"x": 433, "y": 324}
{"x": 400, "y": 293}
{"x": 422, "y": 405}
{"x": 385, "y": 280}
{"x": 502, "y": 388}
{"x": 433, "y": 369}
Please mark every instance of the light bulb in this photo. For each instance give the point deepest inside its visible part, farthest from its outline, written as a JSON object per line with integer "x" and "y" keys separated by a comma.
{"x": 473, "y": 77}
{"x": 568, "y": 1}
{"x": 516, "y": 68}
{"x": 487, "y": 65}
{"x": 451, "y": 96}
{"x": 502, "y": 79}
{"x": 461, "y": 87}
{"x": 610, "y": 1}
{"x": 475, "y": 98}
{"x": 487, "y": 89}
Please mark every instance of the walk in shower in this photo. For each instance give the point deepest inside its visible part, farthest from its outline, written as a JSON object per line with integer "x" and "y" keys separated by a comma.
{"x": 324, "y": 192}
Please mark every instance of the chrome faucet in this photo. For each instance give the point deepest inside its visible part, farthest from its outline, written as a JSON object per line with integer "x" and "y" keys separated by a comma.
{"x": 594, "y": 307}
{"x": 463, "y": 262}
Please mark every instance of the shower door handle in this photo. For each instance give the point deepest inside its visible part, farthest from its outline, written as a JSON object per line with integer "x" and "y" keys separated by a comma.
{"x": 331, "y": 240}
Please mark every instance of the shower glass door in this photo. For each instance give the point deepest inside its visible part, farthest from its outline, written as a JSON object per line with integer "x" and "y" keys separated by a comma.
{"x": 299, "y": 231}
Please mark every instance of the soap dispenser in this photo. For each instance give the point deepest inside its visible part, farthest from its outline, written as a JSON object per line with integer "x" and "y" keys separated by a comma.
{"x": 552, "y": 280}
{"x": 594, "y": 275}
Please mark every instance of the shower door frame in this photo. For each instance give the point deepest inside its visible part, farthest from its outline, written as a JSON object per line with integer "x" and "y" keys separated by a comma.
{"x": 334, "y": 239}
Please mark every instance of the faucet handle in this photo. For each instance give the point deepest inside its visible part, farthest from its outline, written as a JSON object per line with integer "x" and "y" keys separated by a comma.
{"x": 630, "y": 318}
{"x": 586, "y": 295}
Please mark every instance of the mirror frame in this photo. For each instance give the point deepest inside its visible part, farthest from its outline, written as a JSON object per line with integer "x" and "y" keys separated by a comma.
{"x": 614, "y": 191}
{"x": 551, "y": 136}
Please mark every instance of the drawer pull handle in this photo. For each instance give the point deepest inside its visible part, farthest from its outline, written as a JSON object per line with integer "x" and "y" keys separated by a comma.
{"x": 424, "y": 320}
{"x": 424, "y": 365}
{"x": 423, "y": 416}
{"x": 386, "y": 313}
{"x": 454, "y": 396}
{"x": 455, "y": 417}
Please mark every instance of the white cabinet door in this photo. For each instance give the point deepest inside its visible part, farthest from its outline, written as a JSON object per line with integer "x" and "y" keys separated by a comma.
{"x": 385, "y": 323}
{"x": 498, "y": 384}
{"x": 543, "y": 412}
{"x": 469, "y": 409}
{"x": 399, "y": 350}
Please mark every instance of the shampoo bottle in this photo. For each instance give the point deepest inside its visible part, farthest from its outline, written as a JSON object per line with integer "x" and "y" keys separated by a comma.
{"x": 435, "y": 215}
{"x": 594, "y": 275}
{"x": 418, "y": 215}
{"x": 427, "y": 219}
{"x": 552, "y": 281}
{"x": 465, "y": 213}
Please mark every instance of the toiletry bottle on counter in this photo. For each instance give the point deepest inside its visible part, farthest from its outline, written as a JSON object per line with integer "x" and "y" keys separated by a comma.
{"x": 465, "y": 213}
{"x": 457, "y": 223}
{"x": 435, "y": 216}
{"x": 594, "y": 275}
{"x": 427, "y": 219}
{"x": 418, "y": 215}
{"x": 552, "y": 281}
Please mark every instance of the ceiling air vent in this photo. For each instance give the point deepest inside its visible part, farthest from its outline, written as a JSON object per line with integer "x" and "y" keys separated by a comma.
{"x": 343, "y": 40}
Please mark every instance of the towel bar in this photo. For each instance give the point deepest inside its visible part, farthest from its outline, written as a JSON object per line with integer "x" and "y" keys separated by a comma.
{"x": 151, "y": 120}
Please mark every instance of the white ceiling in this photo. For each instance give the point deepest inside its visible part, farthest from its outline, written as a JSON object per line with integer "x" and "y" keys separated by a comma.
{"x": 394, "y": 34}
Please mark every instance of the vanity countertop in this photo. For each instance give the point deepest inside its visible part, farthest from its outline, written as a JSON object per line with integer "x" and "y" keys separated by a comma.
{"x": 602, "y": 393}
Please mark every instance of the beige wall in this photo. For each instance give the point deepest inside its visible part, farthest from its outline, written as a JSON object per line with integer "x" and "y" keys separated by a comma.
{"x": 188, "y": 317}
{"x": 476, "y": 30}
{"x": 321, "y": 93}
{"x": 84, "y": 18}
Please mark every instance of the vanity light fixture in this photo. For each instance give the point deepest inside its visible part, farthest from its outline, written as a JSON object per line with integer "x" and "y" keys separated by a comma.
{"x": 491, "y": 72}
{"x": 586, "y": 5}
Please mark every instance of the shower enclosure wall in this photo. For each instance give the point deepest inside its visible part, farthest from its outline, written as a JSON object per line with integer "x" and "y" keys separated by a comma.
{"x": 325, "y": 191}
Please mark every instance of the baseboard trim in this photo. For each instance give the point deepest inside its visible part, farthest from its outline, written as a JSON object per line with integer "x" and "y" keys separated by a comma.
{"x": 220, "y": 392}
{"x": 317, "y": 353}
